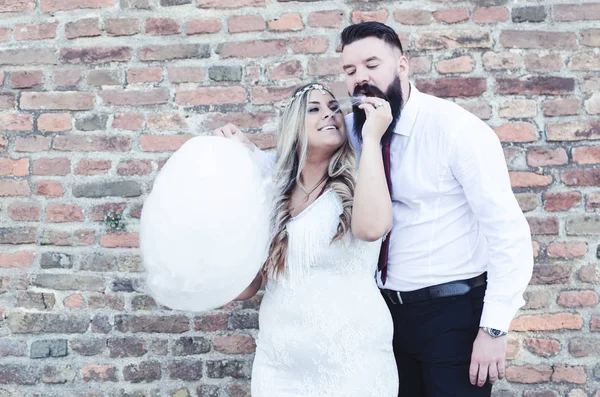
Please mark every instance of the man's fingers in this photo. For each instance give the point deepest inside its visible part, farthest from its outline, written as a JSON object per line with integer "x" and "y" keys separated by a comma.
{"x": 473, "y": 370}
{"x": 483, "y": 374}
{"x": 493, "y": 373}
{"x": 501, "y": 369}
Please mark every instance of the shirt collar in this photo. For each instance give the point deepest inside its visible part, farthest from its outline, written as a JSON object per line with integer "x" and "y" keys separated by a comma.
{"x": 409, "y": 112}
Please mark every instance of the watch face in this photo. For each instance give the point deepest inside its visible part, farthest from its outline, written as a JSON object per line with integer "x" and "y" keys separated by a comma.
{"x": 496, "y": 332}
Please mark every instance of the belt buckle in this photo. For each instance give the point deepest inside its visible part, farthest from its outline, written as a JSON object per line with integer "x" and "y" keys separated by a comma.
{"x": 400, "y": 301}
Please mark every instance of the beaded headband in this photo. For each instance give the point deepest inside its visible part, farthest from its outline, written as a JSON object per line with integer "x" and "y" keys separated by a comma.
{"x": 313, "y": 86}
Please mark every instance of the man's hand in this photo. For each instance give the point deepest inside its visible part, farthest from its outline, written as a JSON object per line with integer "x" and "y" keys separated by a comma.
{"x": 488, "y": 359}
{"x": 232, "y": 132}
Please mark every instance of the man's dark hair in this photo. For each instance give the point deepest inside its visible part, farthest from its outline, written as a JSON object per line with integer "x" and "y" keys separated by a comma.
{"x": 363, "y": 30}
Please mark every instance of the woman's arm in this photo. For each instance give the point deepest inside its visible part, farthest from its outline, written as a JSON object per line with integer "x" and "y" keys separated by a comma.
{"x": 252, "y": 289}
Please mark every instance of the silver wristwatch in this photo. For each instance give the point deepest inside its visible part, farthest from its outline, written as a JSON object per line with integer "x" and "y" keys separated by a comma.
{"x": 494, "y": 333}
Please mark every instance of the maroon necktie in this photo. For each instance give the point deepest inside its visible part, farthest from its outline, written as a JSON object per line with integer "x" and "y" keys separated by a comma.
{"x": 385, "y": 246}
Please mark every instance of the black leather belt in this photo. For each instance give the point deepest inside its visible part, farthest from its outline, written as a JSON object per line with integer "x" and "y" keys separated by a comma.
{"x": 453, "y": 288}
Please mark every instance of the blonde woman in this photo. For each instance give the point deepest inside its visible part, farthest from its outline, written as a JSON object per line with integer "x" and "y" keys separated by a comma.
{"x": 325, "y": 329}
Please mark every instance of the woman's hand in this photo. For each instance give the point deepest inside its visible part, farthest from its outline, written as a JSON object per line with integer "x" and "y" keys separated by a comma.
{"x": 232, "y": 132}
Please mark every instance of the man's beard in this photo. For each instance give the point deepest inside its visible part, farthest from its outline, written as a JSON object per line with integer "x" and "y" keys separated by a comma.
{"x": 393, "y": 95}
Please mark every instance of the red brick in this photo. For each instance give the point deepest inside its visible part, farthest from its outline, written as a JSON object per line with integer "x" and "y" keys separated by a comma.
{"x": 234, "y": 344}
{"x": 7, "y": 100}
{"x": 463, "y": 64}
{"x": 592, "y": 105}
{"x": 3, "y": 143}
{"x": 67, "y": 239}
{"x": 590, "y": 37}
{"x": 527, "y": 201}
{"x": 254, "y": 120}
{"x": 147, "y": 97}
{"x": 4, "y": 36}
{"x": 537, "y": 85}
{"x": 326, "y": 19}
{"x": 230, "y": 3}
{"x": 105, "y": 77}
{"x": 513, "y": 349}
{"x": 11, "y": 167}
{"x": 92, "y": 167}
{"x": 419, "y": 65}
{"x": 17, "y": 5}
{"x": 529, "y": 179}
{"x": 543, "y": 347}
{"x": 586, "y": 155}
{"x": 51, "y": 166}
{"x": 585, "y": 62}
{"x": 578, "y": 299}
{"x": 269, "y": 95}
{"x": 413, "y": 17}
{"x": 453, "y": 87}
{"x": 321, "y": 66}
{"x": 42, "y": 31}
{"x": 537, "y": 157}
{"x": 29, "y": 56}
{"x": 592, "y": 202}
{"x": 561, "y": 201}
{"x": 576, "y": 12}
{"x": 128, "y": 121}
{"x": 121, "y": 26}
{"x": 99, "y": 373}
{"x": 551, "y": 274}
{"x": 518, "y": 108}
{"x": 27, "y": 79}
{"x": 245, "y": 23}
{"x": 547, "y": 322}
{"x": 73, "y": 301}
{"x": 89, "y": 27}
{"x": 162, "y": 143}
{"x": 65, "y": 5}
{"x": 310, "y": 45}
{"x": 286, "y": 22}
{"x": 162, "y": 27}
{"x": 210, "y": 96}
{"x": 589, "y": 274}
{"x": 166, "y": 121}
{"x": 561, "y": 107}
{"x": 517, "y": 132}
{"x": 19, "y": 260}
{"x": 543, "y": 63}
{"x": 543, "y": 226}
{"x": 123, "y": 240}
{"x": 483, "y": 15}
{"x": 134, "y": 167}
{"x": 49, "y": 189}
{"x": 450, "y": 39}
{"x": 82, "y": 143}
{"x": 451, "y": 15}
{"x": 186, "y": 74}
{"x": 529, "y": 374}
{"x": 54, "y": 122}
{"x": 252, "y": 49}
{"x": 584, "y": 177}
{"x": 203, "y": 26}
{"x": 60, "y": 213}
{"x": 16, "y": 122}
{"x": 538, "y": 40}
{"x": 67, "y": 78}
{"x": 144, "y": 75}
{"x": 23, "y": 211}
{"x": 97, "y": 213}
{"x": 57, "y": 100}
{"x": 285, "y": 70}
{"x": 564, "y": 373}
{"x": 95, "y": 55}
{"x": 536, "y": 300}
{"x": 595, "y": 324}
{"x": 568, "y": 250}
{"x": 211, "y": 322}
{"x": 573, "y": 131}
{"x": 501, "y": 61}
{"x": 369, "y": 16}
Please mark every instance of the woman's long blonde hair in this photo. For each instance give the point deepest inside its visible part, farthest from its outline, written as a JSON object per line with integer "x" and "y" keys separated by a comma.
{"x": 292, "y": 147}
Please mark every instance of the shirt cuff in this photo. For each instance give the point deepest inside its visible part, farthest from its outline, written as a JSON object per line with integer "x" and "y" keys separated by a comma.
{"x": 497, "y": 315}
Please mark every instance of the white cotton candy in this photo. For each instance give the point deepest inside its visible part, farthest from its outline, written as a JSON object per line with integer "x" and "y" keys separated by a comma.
{"x": 204, "y": 229}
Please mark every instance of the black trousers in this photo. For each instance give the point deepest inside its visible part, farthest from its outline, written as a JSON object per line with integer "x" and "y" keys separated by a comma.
{"x": 433, "y": 341}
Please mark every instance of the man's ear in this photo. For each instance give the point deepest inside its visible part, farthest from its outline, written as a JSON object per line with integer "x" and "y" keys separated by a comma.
{"x": 403, "y": 66}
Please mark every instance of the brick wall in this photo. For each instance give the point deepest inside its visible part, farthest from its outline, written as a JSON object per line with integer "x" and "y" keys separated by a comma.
{"x": 95, "y": 95}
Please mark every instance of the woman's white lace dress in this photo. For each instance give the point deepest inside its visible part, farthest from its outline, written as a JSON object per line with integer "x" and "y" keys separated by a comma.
{"x": 325, "y": 330}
